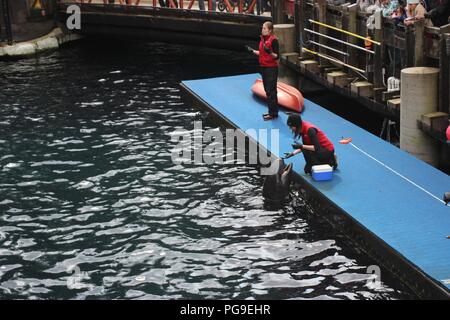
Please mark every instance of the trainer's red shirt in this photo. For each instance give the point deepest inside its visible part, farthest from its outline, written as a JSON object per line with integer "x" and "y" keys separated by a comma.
{"x": 323, "y": 140}
{"x": 265, "y": 59}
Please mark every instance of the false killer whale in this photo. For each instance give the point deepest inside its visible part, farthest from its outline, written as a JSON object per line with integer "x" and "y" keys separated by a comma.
{"x": 276, "y": 186}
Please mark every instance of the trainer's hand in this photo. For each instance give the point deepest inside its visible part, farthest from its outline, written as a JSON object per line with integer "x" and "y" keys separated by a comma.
{"x": 249, "y": 49}
{"x": 297, "y": 146}
{"x": 267, "y": 49}
{"x": 287, "y": 155}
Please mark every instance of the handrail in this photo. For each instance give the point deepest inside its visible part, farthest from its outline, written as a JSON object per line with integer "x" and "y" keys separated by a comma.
{"x": 345, "y": 31}
{"x": 334, "y": 60}
{"x": 329, "y": 48}
{"x": 340, "y": 41}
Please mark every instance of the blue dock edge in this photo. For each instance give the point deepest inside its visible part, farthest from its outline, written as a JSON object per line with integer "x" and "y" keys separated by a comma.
{"x": 382, "y": 197}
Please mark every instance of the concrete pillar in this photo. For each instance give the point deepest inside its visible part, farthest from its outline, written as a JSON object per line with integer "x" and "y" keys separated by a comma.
{"x": 418, "y": 95}
{"x": 286, "y": 38}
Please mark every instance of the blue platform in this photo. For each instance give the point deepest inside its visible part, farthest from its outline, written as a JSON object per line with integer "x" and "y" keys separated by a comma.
{"x": 391, "y": 193}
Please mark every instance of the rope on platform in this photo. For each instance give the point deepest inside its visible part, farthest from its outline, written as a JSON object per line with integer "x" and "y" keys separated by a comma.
{"x": 399, "y": 174}
{"x": 345, "y": 31}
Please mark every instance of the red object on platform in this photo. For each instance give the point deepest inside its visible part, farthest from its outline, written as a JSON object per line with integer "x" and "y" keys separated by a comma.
{"x": 345, "y": 140}
{"x": 448, "y": 133}
{"x": 288, "y": 96}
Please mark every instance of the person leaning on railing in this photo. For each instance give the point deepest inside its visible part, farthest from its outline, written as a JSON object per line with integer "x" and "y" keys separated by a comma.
{"x": 399, "y": 14}
{"x": 439, "y": 12}
{"x": 414, "y": 12}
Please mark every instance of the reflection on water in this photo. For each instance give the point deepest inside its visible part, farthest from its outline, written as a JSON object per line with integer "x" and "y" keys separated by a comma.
{"x": 92, "y": 205}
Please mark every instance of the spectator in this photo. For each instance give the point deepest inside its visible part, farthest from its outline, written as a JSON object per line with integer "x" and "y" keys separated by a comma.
{"x": 439, "y": 12}
{"x": 415, "y": 12}
{"x": 399, "y": 14}
{"x": 388, "y": 7}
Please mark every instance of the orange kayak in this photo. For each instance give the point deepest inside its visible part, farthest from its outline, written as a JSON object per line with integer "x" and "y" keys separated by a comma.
{"x": 288, "y": 96}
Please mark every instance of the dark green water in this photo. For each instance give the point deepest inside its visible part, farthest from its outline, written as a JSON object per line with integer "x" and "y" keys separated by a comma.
{"x": 91, "y": 205}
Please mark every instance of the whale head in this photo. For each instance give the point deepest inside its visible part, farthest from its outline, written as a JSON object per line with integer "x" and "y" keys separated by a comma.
{"x": 276, "y": 186}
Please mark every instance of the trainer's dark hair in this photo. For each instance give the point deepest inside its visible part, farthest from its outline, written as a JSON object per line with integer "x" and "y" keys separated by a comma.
{"x": 294, "y": 120}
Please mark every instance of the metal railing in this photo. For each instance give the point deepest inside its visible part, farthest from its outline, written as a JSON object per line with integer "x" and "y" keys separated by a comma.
{"x": 340, "y": 36}
{"x": 230, "y": 6}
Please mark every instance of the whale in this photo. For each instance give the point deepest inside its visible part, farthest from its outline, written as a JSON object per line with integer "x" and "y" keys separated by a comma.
{"x": 276, "y": 186}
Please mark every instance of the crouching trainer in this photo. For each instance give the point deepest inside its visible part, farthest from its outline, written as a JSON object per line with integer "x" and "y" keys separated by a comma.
{"x": 316, "y": 147}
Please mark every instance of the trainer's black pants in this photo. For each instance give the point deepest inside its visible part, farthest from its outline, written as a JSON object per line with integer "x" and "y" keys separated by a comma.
{"x": 270, "y": 77}
{"x": 313, "y": 158}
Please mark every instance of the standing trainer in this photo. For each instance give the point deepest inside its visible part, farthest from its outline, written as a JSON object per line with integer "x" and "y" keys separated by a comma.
{"x": 268, "y": 54}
